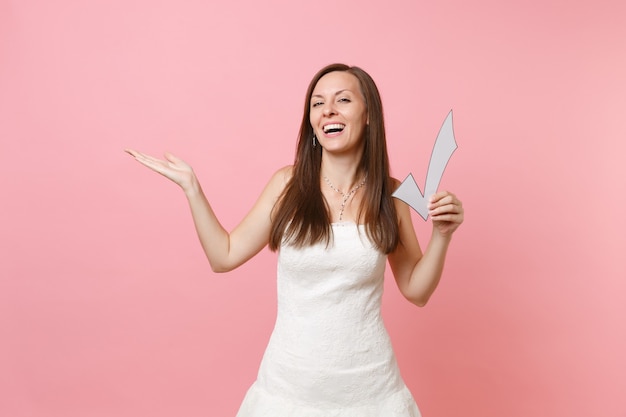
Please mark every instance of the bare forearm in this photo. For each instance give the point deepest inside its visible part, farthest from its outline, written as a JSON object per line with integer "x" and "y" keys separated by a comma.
{"x": 428, "y": 270}
{"x": 215, "y": 240}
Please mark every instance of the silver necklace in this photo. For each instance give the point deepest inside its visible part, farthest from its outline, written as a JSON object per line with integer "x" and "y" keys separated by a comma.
{"x": 345, "y": 196}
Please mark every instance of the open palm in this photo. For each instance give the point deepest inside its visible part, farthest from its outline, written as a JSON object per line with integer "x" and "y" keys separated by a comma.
{"x": 171, "y": 167}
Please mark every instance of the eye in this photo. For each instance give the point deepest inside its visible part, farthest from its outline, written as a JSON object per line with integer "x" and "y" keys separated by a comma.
{"x": 316, "y": 103}
{"x": 344, "y": 100}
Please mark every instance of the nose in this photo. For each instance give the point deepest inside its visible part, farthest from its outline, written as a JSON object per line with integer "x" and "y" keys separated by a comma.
{"x": 329, "y": 109}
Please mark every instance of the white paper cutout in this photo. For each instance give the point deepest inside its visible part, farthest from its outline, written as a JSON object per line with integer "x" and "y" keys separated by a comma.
{"x": 409, "y": 192}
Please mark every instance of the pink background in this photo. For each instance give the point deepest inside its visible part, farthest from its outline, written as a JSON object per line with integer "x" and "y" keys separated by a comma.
{"x": 107, "y": 305}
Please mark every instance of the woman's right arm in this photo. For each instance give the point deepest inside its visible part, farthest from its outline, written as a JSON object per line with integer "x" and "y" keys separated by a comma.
{"x": 225, "y": 251}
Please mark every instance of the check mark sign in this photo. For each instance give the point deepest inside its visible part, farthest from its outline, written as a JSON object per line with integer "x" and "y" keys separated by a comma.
{"x": 409, "y": 192}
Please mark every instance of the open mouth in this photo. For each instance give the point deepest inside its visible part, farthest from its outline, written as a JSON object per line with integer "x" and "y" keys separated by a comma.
{"x": 334, "y": 128}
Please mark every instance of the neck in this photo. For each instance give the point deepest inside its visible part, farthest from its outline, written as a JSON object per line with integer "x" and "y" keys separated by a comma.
{"x": 341, "y": 172}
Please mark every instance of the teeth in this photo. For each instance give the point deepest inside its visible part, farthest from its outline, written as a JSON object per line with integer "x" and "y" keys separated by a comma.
{"x": 337, "y": 127}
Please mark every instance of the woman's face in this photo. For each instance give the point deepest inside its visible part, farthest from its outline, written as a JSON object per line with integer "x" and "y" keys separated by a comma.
{"x": 338, "y": 112}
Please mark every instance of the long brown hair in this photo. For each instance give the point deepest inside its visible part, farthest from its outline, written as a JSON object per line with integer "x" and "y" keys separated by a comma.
{"x": 301, "y": 215}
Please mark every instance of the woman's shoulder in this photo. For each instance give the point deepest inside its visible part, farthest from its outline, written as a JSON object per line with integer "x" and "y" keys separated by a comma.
{"x": 286, "y": 171}
{"x": 283, "y": 175}
{"x": 279, "y": 180}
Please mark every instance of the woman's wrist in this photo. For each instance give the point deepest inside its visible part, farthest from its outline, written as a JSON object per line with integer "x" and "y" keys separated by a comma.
{"x": 439, "y": 238}
{"x": 193, "y": 189}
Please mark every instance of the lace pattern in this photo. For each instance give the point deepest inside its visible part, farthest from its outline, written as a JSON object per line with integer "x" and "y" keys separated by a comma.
{"x": 329, "y": 354}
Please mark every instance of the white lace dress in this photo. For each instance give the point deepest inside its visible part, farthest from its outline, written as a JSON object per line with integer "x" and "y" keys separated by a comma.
{"x": 329, "y": 353}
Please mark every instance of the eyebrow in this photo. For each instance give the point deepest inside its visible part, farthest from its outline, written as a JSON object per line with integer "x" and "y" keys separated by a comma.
{"x": 336, "y": 94}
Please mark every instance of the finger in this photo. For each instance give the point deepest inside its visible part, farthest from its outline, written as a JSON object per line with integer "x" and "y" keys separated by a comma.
{"x": 157, "y": 167}
{"x": 172, "y": 158}
{"x": 136, "y": 154}
{"x": 441, "y": 195}
{"x": 151, "y": 162}
{"x": 447, "y": 209}
{"x": 448, "y": 218}
{"x": 447, "y": 200}
{"x": 443, "y": 201}
{"x": 452, "y": 214}
{"x": 176, "y": 162}
{"x": 142, "y": 157}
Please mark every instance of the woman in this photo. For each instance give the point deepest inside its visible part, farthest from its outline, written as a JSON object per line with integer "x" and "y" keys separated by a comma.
{"x": 333, "y": 220}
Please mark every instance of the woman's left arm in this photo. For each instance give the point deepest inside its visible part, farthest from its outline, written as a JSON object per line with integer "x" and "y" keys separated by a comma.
{"x": 417, "y": 274}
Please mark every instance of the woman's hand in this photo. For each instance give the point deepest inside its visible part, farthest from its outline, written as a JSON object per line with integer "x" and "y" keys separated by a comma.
{"x": 172, "y": 168}
{"x": 446, "y": 211}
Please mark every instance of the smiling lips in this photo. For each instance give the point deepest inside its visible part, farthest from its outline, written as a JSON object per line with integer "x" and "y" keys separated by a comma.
{"x": 334, "y": 128}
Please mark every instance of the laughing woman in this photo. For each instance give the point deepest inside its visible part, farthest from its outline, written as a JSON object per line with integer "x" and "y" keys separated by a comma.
{"x": 334, "y": 223}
